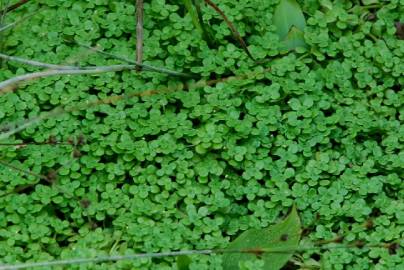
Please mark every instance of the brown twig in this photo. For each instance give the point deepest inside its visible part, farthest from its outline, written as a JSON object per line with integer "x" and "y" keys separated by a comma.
{"x": 233, "y": 29}
{"x": 139, "y": 34}
{"x": 15, "y": 6}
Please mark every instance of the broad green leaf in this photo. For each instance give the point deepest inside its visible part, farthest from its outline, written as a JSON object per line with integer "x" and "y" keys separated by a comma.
{"x": 280, "y": 237}
{"x": 295, "y": 38}
{"x": 183, "y": 262}
{"x": 287, "y": 14}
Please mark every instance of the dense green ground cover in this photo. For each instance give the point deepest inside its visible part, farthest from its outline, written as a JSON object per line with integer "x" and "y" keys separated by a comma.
{"x": 320, "y": 127}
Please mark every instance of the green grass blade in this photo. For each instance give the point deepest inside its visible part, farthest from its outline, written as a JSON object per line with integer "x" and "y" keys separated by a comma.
{"x": 194, "y": 16}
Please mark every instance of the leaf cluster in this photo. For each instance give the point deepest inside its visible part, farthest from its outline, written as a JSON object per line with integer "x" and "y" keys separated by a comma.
{"x": 319, "y": 127}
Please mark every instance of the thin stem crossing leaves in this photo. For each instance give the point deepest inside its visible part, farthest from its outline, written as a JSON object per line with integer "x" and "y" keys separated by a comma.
{"x": 3, "y": 163}
{"x": 35, "y": 63}
{"x": 10, "y": 83}
{"x": 171, "y": 254}
{"x": 74, "y": 70}
{"x": 139, "y": 33}
{"x": 14, "y": 6}
{"x": 13, "y": 24}
{"x": 233, "y": 29}
{"x": 143, "y": 66}
{"x": 13, "y": 128}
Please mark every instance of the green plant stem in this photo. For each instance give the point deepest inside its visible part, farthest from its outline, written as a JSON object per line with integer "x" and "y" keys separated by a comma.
{"x": 143, "y": 66}
{"x": 366, "y": 7}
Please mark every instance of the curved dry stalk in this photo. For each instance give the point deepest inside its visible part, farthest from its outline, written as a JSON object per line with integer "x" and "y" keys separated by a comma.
{"x": 10, "y": 83}
{"x": 178, "y": 253}
{"x": 64, "y": 67}
{"x": 142, "y": 66}
{"x": 36, "y": 63}
{"x": 105, "y": 259}
{"x": 232, "y": 28}
{"x": 139, "y": 33}
{"x": 74, "y": 70}
{"x": 15, "y": 6}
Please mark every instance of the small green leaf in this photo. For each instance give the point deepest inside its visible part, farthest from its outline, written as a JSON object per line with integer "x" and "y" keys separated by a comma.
{"x": 288, "y": 14}
{"x": 183, "y": 262}
{"x": 326, "y": 3}
{"x": 282, "y": 236}
{"x": 370, "y": 2}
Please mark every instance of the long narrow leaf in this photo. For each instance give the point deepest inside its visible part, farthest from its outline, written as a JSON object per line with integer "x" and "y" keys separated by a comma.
{"x": 207, "y": 33}
{"x": 194, "y": 16}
